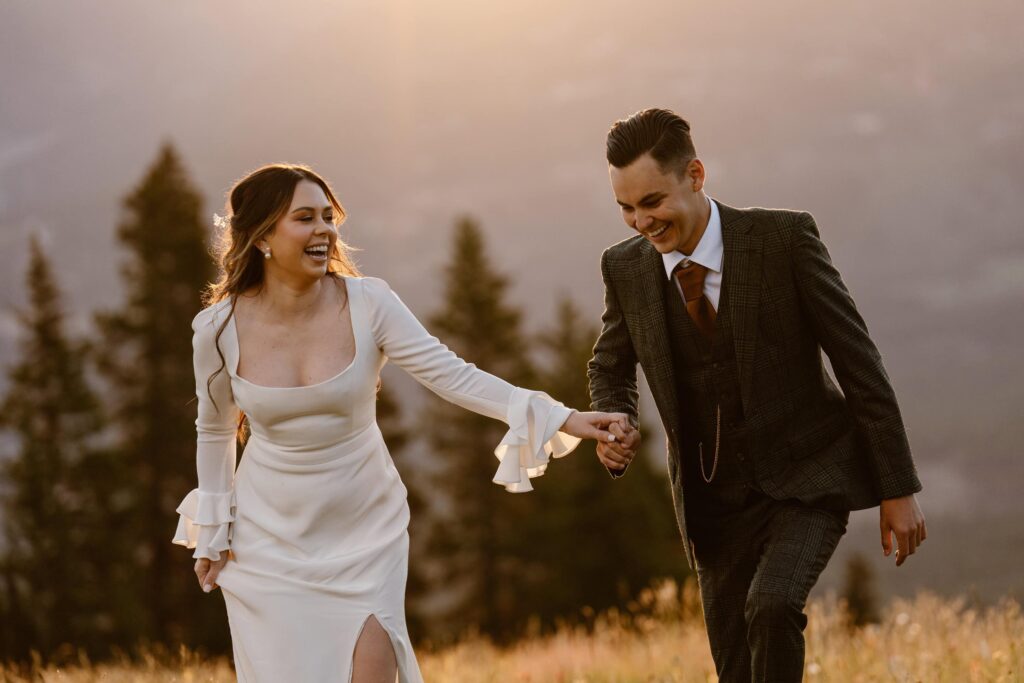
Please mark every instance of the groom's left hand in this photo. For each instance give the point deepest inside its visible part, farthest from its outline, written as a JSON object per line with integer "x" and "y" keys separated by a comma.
{"x": 902, "y": 517}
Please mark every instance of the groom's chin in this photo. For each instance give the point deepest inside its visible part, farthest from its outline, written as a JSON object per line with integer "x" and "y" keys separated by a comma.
{"x": 663, "y": 247}
{"x": 665, "y": 243}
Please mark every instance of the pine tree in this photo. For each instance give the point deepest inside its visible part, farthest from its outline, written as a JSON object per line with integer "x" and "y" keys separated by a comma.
{"x": 146, "y": 356}
{"x": 600, "y": 541}
{"x": 51, "y": 577}
{"x": 15, "y": 638}
{"x": 475, "y": 532}
{"x": 859, "y": 592}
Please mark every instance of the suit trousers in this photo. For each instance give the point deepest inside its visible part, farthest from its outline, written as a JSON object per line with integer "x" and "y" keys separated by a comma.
{"x": 757, "y": 559}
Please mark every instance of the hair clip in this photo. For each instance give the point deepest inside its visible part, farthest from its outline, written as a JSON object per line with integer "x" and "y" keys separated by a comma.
{"x": 222, "y": 222}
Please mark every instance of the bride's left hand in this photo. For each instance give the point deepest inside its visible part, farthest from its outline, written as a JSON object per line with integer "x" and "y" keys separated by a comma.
{"x": 594, "y": 425}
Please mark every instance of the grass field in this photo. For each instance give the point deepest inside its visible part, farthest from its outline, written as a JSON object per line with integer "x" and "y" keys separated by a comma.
{"x": 661, "y": 639}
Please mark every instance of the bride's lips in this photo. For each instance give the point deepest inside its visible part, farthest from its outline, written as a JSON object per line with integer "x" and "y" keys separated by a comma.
{"x": 319, "y": 258}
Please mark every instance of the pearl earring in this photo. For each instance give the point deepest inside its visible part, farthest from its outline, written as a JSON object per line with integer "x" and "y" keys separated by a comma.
{"x": 266, "y": 254}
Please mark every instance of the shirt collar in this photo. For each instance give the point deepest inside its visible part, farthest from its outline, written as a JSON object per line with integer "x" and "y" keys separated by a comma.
{"x": 708, "y": 252}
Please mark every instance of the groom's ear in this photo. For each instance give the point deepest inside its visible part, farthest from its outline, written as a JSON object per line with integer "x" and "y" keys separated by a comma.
{"x": 695, "y": 174}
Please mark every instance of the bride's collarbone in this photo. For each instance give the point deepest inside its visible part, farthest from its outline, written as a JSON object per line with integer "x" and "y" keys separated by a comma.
{"x": 294, "y": 353}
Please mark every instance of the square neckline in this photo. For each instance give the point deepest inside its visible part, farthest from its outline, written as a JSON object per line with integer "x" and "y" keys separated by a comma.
{"x": 355, "y": 346}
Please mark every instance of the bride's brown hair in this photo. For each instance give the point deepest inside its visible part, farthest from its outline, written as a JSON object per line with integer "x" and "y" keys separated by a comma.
{"x": 255, "y": 204}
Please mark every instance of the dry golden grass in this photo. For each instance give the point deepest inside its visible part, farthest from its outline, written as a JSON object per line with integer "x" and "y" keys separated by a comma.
{"x": 661, "y": 639}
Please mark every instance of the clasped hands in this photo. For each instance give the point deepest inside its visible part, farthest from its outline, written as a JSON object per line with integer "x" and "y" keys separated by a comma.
{"x": 617, "y": 440}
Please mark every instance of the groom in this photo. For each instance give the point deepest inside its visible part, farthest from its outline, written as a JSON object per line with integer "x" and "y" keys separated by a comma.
{"x": 727, "y": 311}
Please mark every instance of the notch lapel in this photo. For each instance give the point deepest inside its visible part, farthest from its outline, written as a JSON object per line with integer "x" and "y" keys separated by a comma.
{"x": 741, "y": 278}
{"x": 657, "y": 363}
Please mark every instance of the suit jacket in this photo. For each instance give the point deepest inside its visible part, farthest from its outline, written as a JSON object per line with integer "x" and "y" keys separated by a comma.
{"x": 841, "y": 450}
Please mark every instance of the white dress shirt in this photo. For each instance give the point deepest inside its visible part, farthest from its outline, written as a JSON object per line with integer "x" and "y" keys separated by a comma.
{"x": 709, "y": 253}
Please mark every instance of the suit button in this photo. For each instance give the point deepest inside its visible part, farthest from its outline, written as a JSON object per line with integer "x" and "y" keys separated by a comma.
{"x": 716, "y": 366}
{"x": 740, "y": 457}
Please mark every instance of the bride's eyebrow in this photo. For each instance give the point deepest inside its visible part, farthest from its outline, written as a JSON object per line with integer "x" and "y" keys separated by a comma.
{"x": 310, "y": 208}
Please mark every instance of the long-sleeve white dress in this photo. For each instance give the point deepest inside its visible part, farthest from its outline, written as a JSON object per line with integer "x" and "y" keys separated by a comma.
{"x": 316, "y": 514}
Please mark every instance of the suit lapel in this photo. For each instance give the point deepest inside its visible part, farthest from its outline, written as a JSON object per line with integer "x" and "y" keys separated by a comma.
{"x": 660, "y": 370}
{"x": 741, "y": 278}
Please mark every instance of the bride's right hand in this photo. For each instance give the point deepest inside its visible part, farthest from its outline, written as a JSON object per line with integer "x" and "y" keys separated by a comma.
{"x": 594, "y": 425}
{"x": 208, "y": 570}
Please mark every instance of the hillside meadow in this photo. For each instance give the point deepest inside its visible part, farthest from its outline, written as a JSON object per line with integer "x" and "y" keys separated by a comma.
{"x": 660, "y": 639}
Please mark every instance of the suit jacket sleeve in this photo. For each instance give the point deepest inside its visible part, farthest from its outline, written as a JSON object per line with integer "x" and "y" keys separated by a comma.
{"x": 843, "y": 335}
{"x": 612, "y": 370}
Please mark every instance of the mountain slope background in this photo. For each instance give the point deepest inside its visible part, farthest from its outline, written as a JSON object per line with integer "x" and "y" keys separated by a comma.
{"x": 898, "y": 126}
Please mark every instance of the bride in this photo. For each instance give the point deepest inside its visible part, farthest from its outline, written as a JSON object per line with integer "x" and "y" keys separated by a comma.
{"x": 307, "y": 539}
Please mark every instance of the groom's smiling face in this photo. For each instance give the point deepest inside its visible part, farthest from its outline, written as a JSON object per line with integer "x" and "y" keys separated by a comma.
{"x": 667, "y": 208}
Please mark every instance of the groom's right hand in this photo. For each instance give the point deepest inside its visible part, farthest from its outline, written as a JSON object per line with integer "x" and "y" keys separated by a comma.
{"x": 617, "y": 455}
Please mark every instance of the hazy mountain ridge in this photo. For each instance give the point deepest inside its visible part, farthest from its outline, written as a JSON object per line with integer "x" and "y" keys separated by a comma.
{"x": 894, "y": 125}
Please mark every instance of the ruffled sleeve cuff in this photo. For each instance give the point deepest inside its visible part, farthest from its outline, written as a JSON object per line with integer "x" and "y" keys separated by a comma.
{"x": 205, "y": 522}
{"x": 534, "y": 419}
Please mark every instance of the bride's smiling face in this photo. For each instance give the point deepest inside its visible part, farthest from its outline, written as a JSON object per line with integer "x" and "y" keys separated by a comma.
{"x": 301, "y": 241}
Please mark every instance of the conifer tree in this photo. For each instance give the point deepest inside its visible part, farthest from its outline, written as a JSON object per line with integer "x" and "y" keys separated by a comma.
{"x": 146, "y": 356}
{"x": 14, "y": 636}
{"x": 51, "y": 581}
{"x": 859, "y": 592}
{"x": 600, "y": 541}
{"x": 476, "y": 534}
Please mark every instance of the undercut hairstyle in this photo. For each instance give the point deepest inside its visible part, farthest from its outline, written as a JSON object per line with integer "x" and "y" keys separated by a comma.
{"x": 662, "y": 133}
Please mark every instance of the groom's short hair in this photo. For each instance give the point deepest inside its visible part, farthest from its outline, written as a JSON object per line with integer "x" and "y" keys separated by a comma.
{"x": 661, "y": 132}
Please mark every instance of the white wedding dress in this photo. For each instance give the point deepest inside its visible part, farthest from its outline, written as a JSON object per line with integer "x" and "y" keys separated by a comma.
{"x": 316, "y": 513}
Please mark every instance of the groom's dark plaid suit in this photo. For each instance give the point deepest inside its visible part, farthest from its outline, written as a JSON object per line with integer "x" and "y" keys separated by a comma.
{"x": 803, "y": 455}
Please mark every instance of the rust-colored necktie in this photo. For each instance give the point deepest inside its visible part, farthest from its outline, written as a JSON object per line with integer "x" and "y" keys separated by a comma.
{"x": 691, "y": 278}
